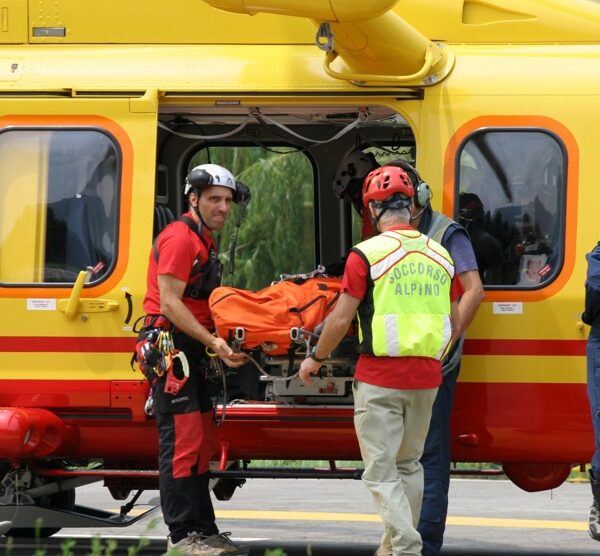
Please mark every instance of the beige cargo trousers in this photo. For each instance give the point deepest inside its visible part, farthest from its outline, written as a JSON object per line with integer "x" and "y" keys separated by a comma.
{"x": 391, "y": 426}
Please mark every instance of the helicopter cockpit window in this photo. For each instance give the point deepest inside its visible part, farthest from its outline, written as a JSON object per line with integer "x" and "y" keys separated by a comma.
{"x": 58, "y": 197}
{"x": 511, "y": 199}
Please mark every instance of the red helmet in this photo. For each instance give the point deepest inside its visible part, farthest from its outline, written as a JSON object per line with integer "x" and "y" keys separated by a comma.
{"x": 384, "y": 182}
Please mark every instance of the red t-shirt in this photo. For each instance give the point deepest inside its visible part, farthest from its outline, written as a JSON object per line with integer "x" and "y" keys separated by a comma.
{"x": 178, "y": 247}
{"x": 407, "y": 373}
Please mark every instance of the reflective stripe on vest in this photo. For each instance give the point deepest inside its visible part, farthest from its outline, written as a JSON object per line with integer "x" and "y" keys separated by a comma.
{"x": 410, "y": 276}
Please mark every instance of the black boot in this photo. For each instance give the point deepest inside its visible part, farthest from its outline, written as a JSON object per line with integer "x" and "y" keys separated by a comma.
{"x": 594, "y": 521}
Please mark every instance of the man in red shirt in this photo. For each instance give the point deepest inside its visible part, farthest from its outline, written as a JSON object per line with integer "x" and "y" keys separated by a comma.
{"x": 183, "y": 269}
{"x": 404, "y": 289}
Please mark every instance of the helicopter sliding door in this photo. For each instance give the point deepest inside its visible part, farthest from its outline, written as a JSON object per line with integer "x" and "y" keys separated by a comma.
{"x": 73, "y": 249}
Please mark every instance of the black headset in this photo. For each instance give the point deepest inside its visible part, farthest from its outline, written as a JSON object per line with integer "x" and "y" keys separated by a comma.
{"x": 422, "y": 191}
{"x": 200, "y": 179}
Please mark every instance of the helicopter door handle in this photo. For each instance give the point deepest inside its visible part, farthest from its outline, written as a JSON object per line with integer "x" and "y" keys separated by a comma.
{"x": 70, "y": 307}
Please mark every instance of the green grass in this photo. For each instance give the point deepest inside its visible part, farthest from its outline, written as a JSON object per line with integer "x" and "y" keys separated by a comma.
{"x": 577, "y": 474}
{"x": 302, "y": 463}
{"x": 358, "y": 464}
{"x": 107, "y": 547}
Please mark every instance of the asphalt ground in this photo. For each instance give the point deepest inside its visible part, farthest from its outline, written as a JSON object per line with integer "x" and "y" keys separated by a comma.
{"x": 337, "y": 518}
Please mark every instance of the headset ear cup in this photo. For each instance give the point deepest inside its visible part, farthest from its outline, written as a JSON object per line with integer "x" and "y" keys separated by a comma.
{"x": 242, "y": 193}
{"x": 422, "y": 194}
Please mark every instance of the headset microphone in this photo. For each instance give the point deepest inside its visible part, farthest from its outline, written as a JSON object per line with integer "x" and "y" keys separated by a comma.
{"x": 242, "y": 195}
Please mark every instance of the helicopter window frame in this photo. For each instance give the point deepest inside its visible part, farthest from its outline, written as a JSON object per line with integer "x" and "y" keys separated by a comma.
{"x": 98, "y": 198}
{"x": 548, "y": 256}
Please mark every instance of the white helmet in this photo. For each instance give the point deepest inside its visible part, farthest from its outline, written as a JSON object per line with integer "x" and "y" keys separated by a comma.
{"x": 206, "y": 175}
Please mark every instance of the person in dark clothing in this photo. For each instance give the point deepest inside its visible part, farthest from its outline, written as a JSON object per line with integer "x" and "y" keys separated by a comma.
{"x": 488, "y": 250}
{"x": 183, "y": 269}
{"x": 591, "y": 316}
{"x": 436, "y": 455}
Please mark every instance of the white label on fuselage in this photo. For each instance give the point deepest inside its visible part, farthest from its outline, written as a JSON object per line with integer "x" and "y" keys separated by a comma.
{"x": 508, "y": 308}
{"x": 41, "y": 304}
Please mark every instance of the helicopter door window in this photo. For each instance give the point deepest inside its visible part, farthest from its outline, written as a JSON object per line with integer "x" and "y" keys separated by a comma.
{"x": 58, "y": 198}
{"x": 277, "y": 234}
{"x": 511, "y": 199}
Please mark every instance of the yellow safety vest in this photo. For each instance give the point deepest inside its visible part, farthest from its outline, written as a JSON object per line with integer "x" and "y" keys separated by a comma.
{"x": 406, "y": 310}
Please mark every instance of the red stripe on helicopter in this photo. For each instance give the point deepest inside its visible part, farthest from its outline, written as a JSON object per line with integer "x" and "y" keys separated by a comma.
{"x": 62, "y": 344}
{"x": 524, "y": 347}
{"x": 55, "y": 344}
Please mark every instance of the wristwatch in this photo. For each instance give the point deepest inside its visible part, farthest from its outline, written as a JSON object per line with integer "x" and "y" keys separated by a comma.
{"x": 313, "y": 356}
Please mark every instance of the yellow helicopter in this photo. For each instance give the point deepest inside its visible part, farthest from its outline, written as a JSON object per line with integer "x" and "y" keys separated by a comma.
{"x": 104, "y": 108}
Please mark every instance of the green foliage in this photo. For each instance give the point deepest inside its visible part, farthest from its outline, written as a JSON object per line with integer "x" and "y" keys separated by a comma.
{"x": 579, "y": 474}
{"x": 134, "y": 550}
{"x": 281, "y": 552}
{"x": 277, "y": 234}
{"x": 98, "y": 546}
{"x": 39, "y": 551}
{"x": 66, "y": 547}
{"x": 320, "y": 464}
